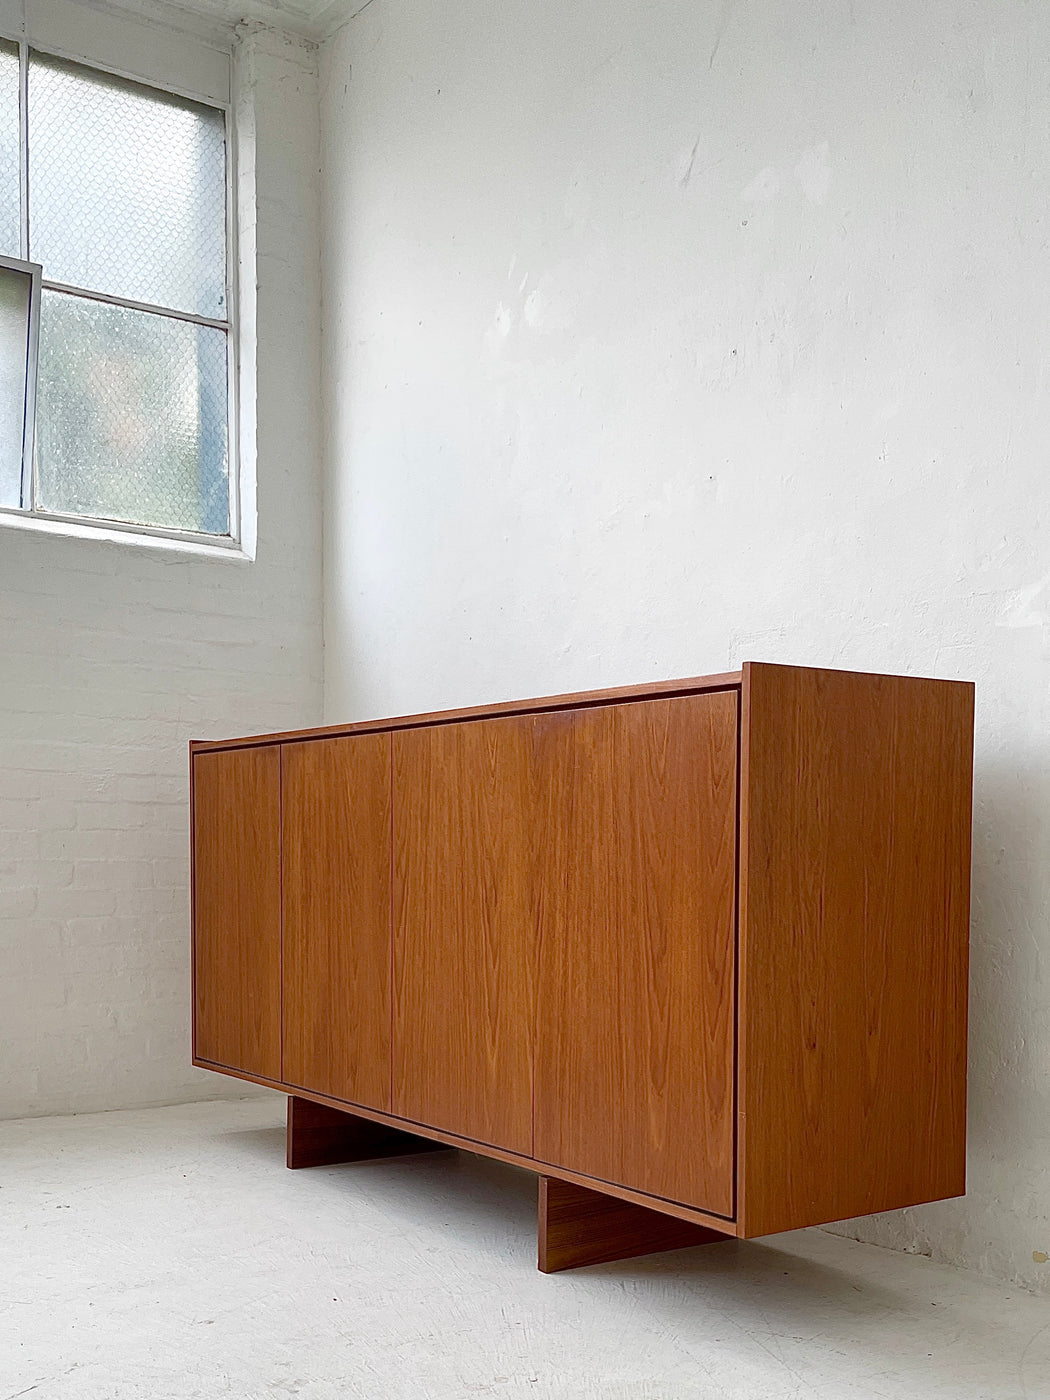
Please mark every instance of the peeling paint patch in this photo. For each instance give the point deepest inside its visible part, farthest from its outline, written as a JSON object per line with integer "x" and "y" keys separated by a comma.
{"x": 764, "y": 187}
{"x": 811, "y": 172}
{"x": 500, "y": 328}
{"x": 1021, "y": 608}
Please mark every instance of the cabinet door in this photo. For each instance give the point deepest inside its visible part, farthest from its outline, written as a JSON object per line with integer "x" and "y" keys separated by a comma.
{"x": 472, "y": 837}
{"x": 237, "y": 909}
{"x": 634, "y": 1070}
{"x": 336, "y": 860}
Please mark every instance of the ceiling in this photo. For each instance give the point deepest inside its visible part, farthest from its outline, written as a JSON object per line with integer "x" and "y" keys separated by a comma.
{"x": 310, "y": 19}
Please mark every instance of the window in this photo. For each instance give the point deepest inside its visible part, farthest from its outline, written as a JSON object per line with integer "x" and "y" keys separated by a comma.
{"x": 119, "y": 192}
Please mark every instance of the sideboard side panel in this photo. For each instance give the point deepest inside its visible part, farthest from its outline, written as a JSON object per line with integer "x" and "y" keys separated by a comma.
{"x": 855, "y": 861}
{"x": 336, "y": 877}
{"x": 237, "y": 909}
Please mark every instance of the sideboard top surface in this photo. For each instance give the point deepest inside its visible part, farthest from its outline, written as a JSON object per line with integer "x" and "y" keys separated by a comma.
{"x": 650, "y": 690}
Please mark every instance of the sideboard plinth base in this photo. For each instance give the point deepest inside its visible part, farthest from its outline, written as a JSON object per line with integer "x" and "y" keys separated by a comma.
{"x": 319, "y": 1136}
{"x": 578, "y": 1226}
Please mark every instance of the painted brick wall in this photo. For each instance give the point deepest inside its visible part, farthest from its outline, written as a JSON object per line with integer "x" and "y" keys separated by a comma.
{"x": 112, "y": 657}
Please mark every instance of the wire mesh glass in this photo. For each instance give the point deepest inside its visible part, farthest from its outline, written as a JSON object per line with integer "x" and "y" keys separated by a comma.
{"x": 10, "y": 162}
{"x": 131, "y": 421}
{"x": 15, "y": 300}
{"x": 127, "y": 189}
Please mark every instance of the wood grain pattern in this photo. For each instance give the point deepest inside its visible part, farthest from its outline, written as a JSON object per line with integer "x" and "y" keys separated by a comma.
{"x": 336, "y": 899}
{"x": 577, "y": 1226}
{"x": 855, "y": 802}
{"x": 237, "y": 910}
{"x": 724, "y": 681}
{"x": 471, "y": 832}
{"x": 319, "y": 1136}
{"x": 634, "y": 1073}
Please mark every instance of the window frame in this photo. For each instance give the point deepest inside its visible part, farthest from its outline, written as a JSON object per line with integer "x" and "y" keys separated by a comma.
{"x": 33, "y": 272}
{"x": 100, "y": 526}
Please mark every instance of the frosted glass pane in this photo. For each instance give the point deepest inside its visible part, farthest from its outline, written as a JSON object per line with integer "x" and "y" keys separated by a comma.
{"x": 10, "y": 174}
{"x": 131, "y": 416}
{"x": 15, "y": 292}
{"x": 127, "y": 189}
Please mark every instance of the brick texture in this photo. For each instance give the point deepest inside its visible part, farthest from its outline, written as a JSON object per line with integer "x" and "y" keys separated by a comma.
{"x": 112, "y": 657}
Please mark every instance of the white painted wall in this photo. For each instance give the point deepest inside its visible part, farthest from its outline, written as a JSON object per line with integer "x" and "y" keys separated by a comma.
{"x": 112, "y": 657}
{"x": 662, "y": 337}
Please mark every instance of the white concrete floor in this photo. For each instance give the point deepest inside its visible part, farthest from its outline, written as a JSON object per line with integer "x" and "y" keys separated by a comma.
{"x": 168, "y": 1254}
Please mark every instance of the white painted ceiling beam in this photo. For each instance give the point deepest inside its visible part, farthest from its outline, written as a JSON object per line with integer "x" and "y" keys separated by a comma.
{"x": 215, "y": 19}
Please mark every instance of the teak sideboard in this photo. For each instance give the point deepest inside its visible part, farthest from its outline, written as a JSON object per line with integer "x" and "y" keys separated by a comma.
{"x": 694, "y": 952}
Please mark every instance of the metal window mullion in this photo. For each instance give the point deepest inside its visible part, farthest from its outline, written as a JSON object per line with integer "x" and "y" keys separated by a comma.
{"x": 23, "y": 147}
{"x": 233, "y": 346}
{"x": 132, "y": 305}
{"x": 29, "y": 483}
{"x": 28, "y": 492}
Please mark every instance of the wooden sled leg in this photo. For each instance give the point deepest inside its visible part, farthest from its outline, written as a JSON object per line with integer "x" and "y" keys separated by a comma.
{"x": 578, "y": 1226}
{"x": 319, "y": 1136}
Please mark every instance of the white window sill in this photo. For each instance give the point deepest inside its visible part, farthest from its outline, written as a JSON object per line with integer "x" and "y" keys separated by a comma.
{"x": 133, "y": 536}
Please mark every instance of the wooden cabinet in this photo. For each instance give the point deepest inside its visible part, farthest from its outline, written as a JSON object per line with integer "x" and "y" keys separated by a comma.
{"x": 698, "y": 946}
